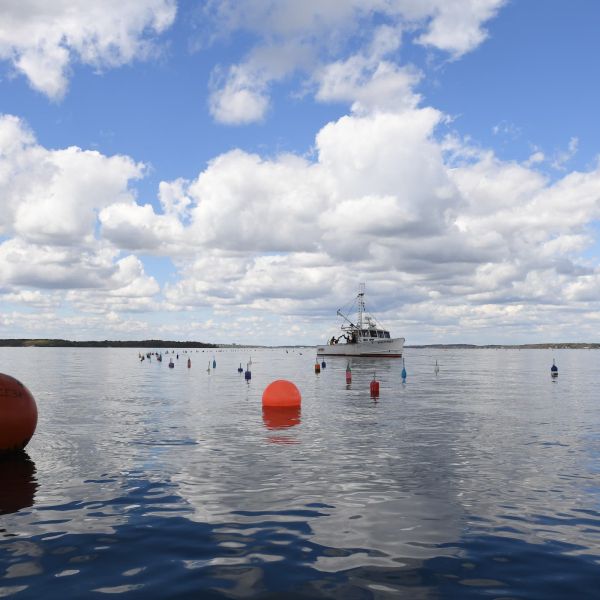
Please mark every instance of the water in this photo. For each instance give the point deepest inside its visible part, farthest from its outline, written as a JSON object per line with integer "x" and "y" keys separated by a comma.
{"x": 150, "y": 482}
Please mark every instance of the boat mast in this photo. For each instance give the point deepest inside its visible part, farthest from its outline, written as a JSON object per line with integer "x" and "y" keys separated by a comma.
{"x": 361, "y": 304}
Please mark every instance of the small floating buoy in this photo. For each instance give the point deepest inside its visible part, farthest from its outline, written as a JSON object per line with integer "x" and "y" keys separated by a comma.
{"x": 189, "y": 363}
{"x": 553, "y": 369}
{"x": 240, "y": 368}
{"x": 208, "y": 370}
{"x": 348, "y": 374}
{"x": 323, "y": 364}
{"x": 374, "y": 387}
{"x": 436, "y": 369}
{"x": 248, "y": 374}
{"x": 403, "y": 374}
{"x": 214, "y": 363}
{"x": 317, "y": 367}
{"x": 18, "y": 414}
{"x": 281, "y": 394}
{"x": 171, "y": 364}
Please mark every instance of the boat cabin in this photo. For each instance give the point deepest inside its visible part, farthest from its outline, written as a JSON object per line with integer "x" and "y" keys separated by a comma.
{"x": 372, "y": 334}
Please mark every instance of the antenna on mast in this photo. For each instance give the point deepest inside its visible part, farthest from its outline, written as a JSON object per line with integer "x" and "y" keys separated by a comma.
{"x": 361, "y": 304}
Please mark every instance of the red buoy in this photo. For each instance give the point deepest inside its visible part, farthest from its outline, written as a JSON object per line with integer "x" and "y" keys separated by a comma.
{"x": 317, "y": 367}
{"x": 18, "y": 414}
{"x": 348, "y": 374}
{"x": 281, "y": 393}
{"x": 374, "y": 387}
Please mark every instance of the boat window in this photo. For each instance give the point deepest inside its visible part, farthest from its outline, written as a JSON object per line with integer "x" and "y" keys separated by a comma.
{"x": 373, "y": 333}
{"x": 380, "y": 334}
{"x": 386, "y": 334}
{"x": 364, "y": 333}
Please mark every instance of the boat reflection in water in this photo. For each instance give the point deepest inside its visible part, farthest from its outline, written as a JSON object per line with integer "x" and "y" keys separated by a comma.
{"x": 18, "y": 483}
{"x": 277, "y": 418}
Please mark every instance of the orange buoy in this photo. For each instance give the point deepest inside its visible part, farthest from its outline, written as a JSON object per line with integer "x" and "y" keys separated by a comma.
{"x": 281, "y": 393}
{"x": 317, "y": 367}
{"x": 18, "y": 414}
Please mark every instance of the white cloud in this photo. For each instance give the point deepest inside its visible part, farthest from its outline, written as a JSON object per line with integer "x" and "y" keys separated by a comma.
{"x": 456, "y": 25}
{"x": 50, "y": 202}
{"x": 134, "y": 227}
{"x": 564, "y": 156}
{"x": 240, "y": 97}
{"x": 384, "y": 202}
{"x": 449, "y": 238}
{"x": 327, "y": 38}
{"x": 367, "y": 81}
{"x": 51, "y": 196}
{"x": 42, "y": 39}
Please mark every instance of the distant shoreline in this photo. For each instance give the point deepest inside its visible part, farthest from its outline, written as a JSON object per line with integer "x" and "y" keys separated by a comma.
{"x": 550, "y": 346}
{"x": 52, "y": 343}
{"x": 58, "y": 343}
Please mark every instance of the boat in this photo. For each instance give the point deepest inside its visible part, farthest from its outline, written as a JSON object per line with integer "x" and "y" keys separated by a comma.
{"x": 362, "y": 337}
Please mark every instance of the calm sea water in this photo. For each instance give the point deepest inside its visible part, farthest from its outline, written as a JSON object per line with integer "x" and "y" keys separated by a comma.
{"x": 150, "y": 482}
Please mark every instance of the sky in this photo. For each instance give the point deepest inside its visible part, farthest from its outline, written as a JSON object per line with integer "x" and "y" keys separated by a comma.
{"x": 230, "y": 171}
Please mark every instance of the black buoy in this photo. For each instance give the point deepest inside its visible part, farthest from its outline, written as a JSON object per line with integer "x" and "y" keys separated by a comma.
{"x": 240, "y": 368}
{"x": 323, "y": 364}
{"x": 553, "y": 369}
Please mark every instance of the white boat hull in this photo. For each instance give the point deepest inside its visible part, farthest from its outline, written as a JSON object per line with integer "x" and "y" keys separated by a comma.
{"x": 392, "y": 348}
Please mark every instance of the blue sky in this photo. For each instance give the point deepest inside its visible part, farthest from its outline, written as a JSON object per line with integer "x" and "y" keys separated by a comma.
{"x": 231, "y": 171}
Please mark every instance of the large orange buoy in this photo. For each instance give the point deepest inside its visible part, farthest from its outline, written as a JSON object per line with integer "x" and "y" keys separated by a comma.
{"x": 18, "y": 414}
{"x": 281, "y": 393}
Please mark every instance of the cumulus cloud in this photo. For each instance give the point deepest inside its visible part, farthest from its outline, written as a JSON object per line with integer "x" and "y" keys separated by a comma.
{"x": 50, "y": 201}
{"x": 42, "y": 39}
{"x": 327, "y": 38}
{"x": 436, "y": 228}
{"x": 51, "y": 196}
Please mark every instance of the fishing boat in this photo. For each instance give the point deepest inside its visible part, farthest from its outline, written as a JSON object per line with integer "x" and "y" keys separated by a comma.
{"x": 362, "y": 337}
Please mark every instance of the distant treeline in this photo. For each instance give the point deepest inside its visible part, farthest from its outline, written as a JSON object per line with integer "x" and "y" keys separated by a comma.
{"x": 562, "y": 346}
{"x": 105, "y": 344}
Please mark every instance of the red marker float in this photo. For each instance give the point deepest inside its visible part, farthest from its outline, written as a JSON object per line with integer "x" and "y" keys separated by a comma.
{"x": 374, "y": 387}
{"x": 18, "y": 414}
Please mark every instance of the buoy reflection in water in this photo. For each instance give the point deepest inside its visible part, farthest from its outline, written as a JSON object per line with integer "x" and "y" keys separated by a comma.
{"x": 281, "y": 419}
{"x": 18, "y": 483}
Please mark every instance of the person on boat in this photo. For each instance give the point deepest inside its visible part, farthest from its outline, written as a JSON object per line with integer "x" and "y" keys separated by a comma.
{"x": 353, "y": 338}
{"x": 332, "y": 340}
